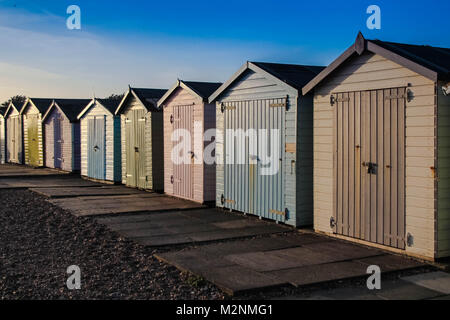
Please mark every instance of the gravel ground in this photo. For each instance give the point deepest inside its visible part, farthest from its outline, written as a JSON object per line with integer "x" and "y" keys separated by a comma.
{"x": 38, "y": 241}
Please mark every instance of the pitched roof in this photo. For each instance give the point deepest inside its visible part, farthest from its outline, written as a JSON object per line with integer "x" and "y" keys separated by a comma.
{"x": 2, "y": 111}
{"x": 8, "y": 108}
{"x": 147, "y": 96}
{"x": 72, "y": 107}
{"x": 293, "y": 75}
{"x": 201, "y": 89}
{"x": 110, "y": 104}
{"x": 42, "y": 104}
{"x": 431, "y": 62}
{"x": 433, "y": 58}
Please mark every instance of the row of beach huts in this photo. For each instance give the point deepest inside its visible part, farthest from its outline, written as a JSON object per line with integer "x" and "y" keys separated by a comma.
{"x": 364, "y": 143}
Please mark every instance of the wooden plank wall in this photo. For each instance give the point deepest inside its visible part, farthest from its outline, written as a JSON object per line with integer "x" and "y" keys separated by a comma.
{"x": 49, "y": 148}
{"x": 67, "y": 146}
{"x": 2, "y": 140}
{"x": 181, "y": 97}
{"x": 297, "y": 193}
{"x": 32, "y": 110}
{"x": 100, "y": 112}
{"x": 371, "y": 72}
{"x": 134, "y": 104}
{"x": 443, "y": 165}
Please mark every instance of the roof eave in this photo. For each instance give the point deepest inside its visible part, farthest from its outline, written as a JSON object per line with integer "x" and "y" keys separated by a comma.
{"x": 125, "y": 97}
{"x": 48, "y": 111}
{"x": 83, "y": 112}
{"x": 405, "y": 62}
{"x": 228, "y": 83}
{"x": 328, "y": 70}
{"x": 359, "y": 49}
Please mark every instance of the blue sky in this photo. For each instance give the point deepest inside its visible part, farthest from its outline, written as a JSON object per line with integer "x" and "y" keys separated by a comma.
{"x": 151, "y": 43}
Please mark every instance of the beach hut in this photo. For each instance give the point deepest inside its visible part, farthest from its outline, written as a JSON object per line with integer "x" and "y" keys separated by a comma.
{"x": 2, "y": 136}
{"x": 142, "y": 139}
{"x": 62, "y": 134}
{"x": 33, "y": 139}
{"x": 382, "y": 147}
{"x": 264, "y": 142}
{"x": 100, "y": 140}
{"x": 14, "y": 143}
{"x": 187, "y": 116}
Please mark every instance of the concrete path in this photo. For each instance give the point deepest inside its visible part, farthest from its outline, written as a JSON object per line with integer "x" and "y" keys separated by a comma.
{"x": 430, "y": 286}
{"x": 188, "y": 227}
{"x": 94, "y": 191}
{"x": 12, "y": 170}
{"x": 45, "y": 182}
{"x": 140, "y": 202}
{"x": 295, "y": 259}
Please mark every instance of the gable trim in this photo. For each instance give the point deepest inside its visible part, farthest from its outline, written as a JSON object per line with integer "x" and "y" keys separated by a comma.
{"x": 360, "y": 46}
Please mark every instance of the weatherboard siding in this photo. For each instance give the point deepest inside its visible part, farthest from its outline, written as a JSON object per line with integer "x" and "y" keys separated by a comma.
{"x": 2, "y": 140}
{"x": 202, "y": 175}
{"x": 443, "y": 165}
{"x": 14, "y": 142}
{"x": 110, "y": 136}
{"x": 297, "y": 166}
{"x": 371, "y": 72}
{"x": 153, "y": 145}
{"x": 33, "y": 111}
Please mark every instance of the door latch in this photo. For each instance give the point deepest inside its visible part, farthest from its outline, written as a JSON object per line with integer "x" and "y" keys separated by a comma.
{"x": 136, "y": 149}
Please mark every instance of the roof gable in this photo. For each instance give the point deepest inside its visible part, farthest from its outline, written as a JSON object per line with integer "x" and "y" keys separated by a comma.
{"x": 70, "y": 107}
{"x": 202, "y": 90}
{"x": 430, "y": 62}
{"x": 291, "y": 76}
{"x": 41, "y": 104}
{"x": 146, "y": 96}
{"x": 10, "y": 109}
{"x": 110, "y": 106}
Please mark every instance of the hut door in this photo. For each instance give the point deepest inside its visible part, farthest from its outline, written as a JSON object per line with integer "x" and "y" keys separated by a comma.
{"x": 96, "y": 148}
{"x": 57, "y": 142}
{"x": 183, "y": 119}
{"x": 16, "y": 141}
{"x": 135, "y": 137}
{"x": 33, "y": 142}
{"x": 253, "y": 179}
{"x": 369, "y": 166}
{"x": 11, "y": 137}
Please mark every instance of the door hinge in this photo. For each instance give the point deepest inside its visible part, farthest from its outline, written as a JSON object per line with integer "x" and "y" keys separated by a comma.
{"x": 223, "y": 108}
{"x": 223, "y": 200}
{"x": 280, "y": 213}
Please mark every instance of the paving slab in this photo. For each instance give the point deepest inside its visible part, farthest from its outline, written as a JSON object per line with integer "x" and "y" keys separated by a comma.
{"x": 297, "y": 259}
{"x": 437, "y": 281}
{"x": 70, "y": 192}
{"x": 340, "y": 250}
{"x": 186, "y": 227}
{"x": 314, "y": 274}
{"x": 391, "y": 262}
{"x": 241, "y": 279}
{"x": 393, "y": 289}
{"x": 45, "y": 182}
{"x": 17, "y": 171}
{"x": 134, "y": 203}
{"x": 402, "y": 290}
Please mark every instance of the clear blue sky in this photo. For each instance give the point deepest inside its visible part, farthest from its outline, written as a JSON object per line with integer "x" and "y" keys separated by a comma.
{"x": 151, "y": 43}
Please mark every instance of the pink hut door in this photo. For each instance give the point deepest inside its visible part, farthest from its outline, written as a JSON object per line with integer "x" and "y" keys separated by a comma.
{"x": 183, "y": 182}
